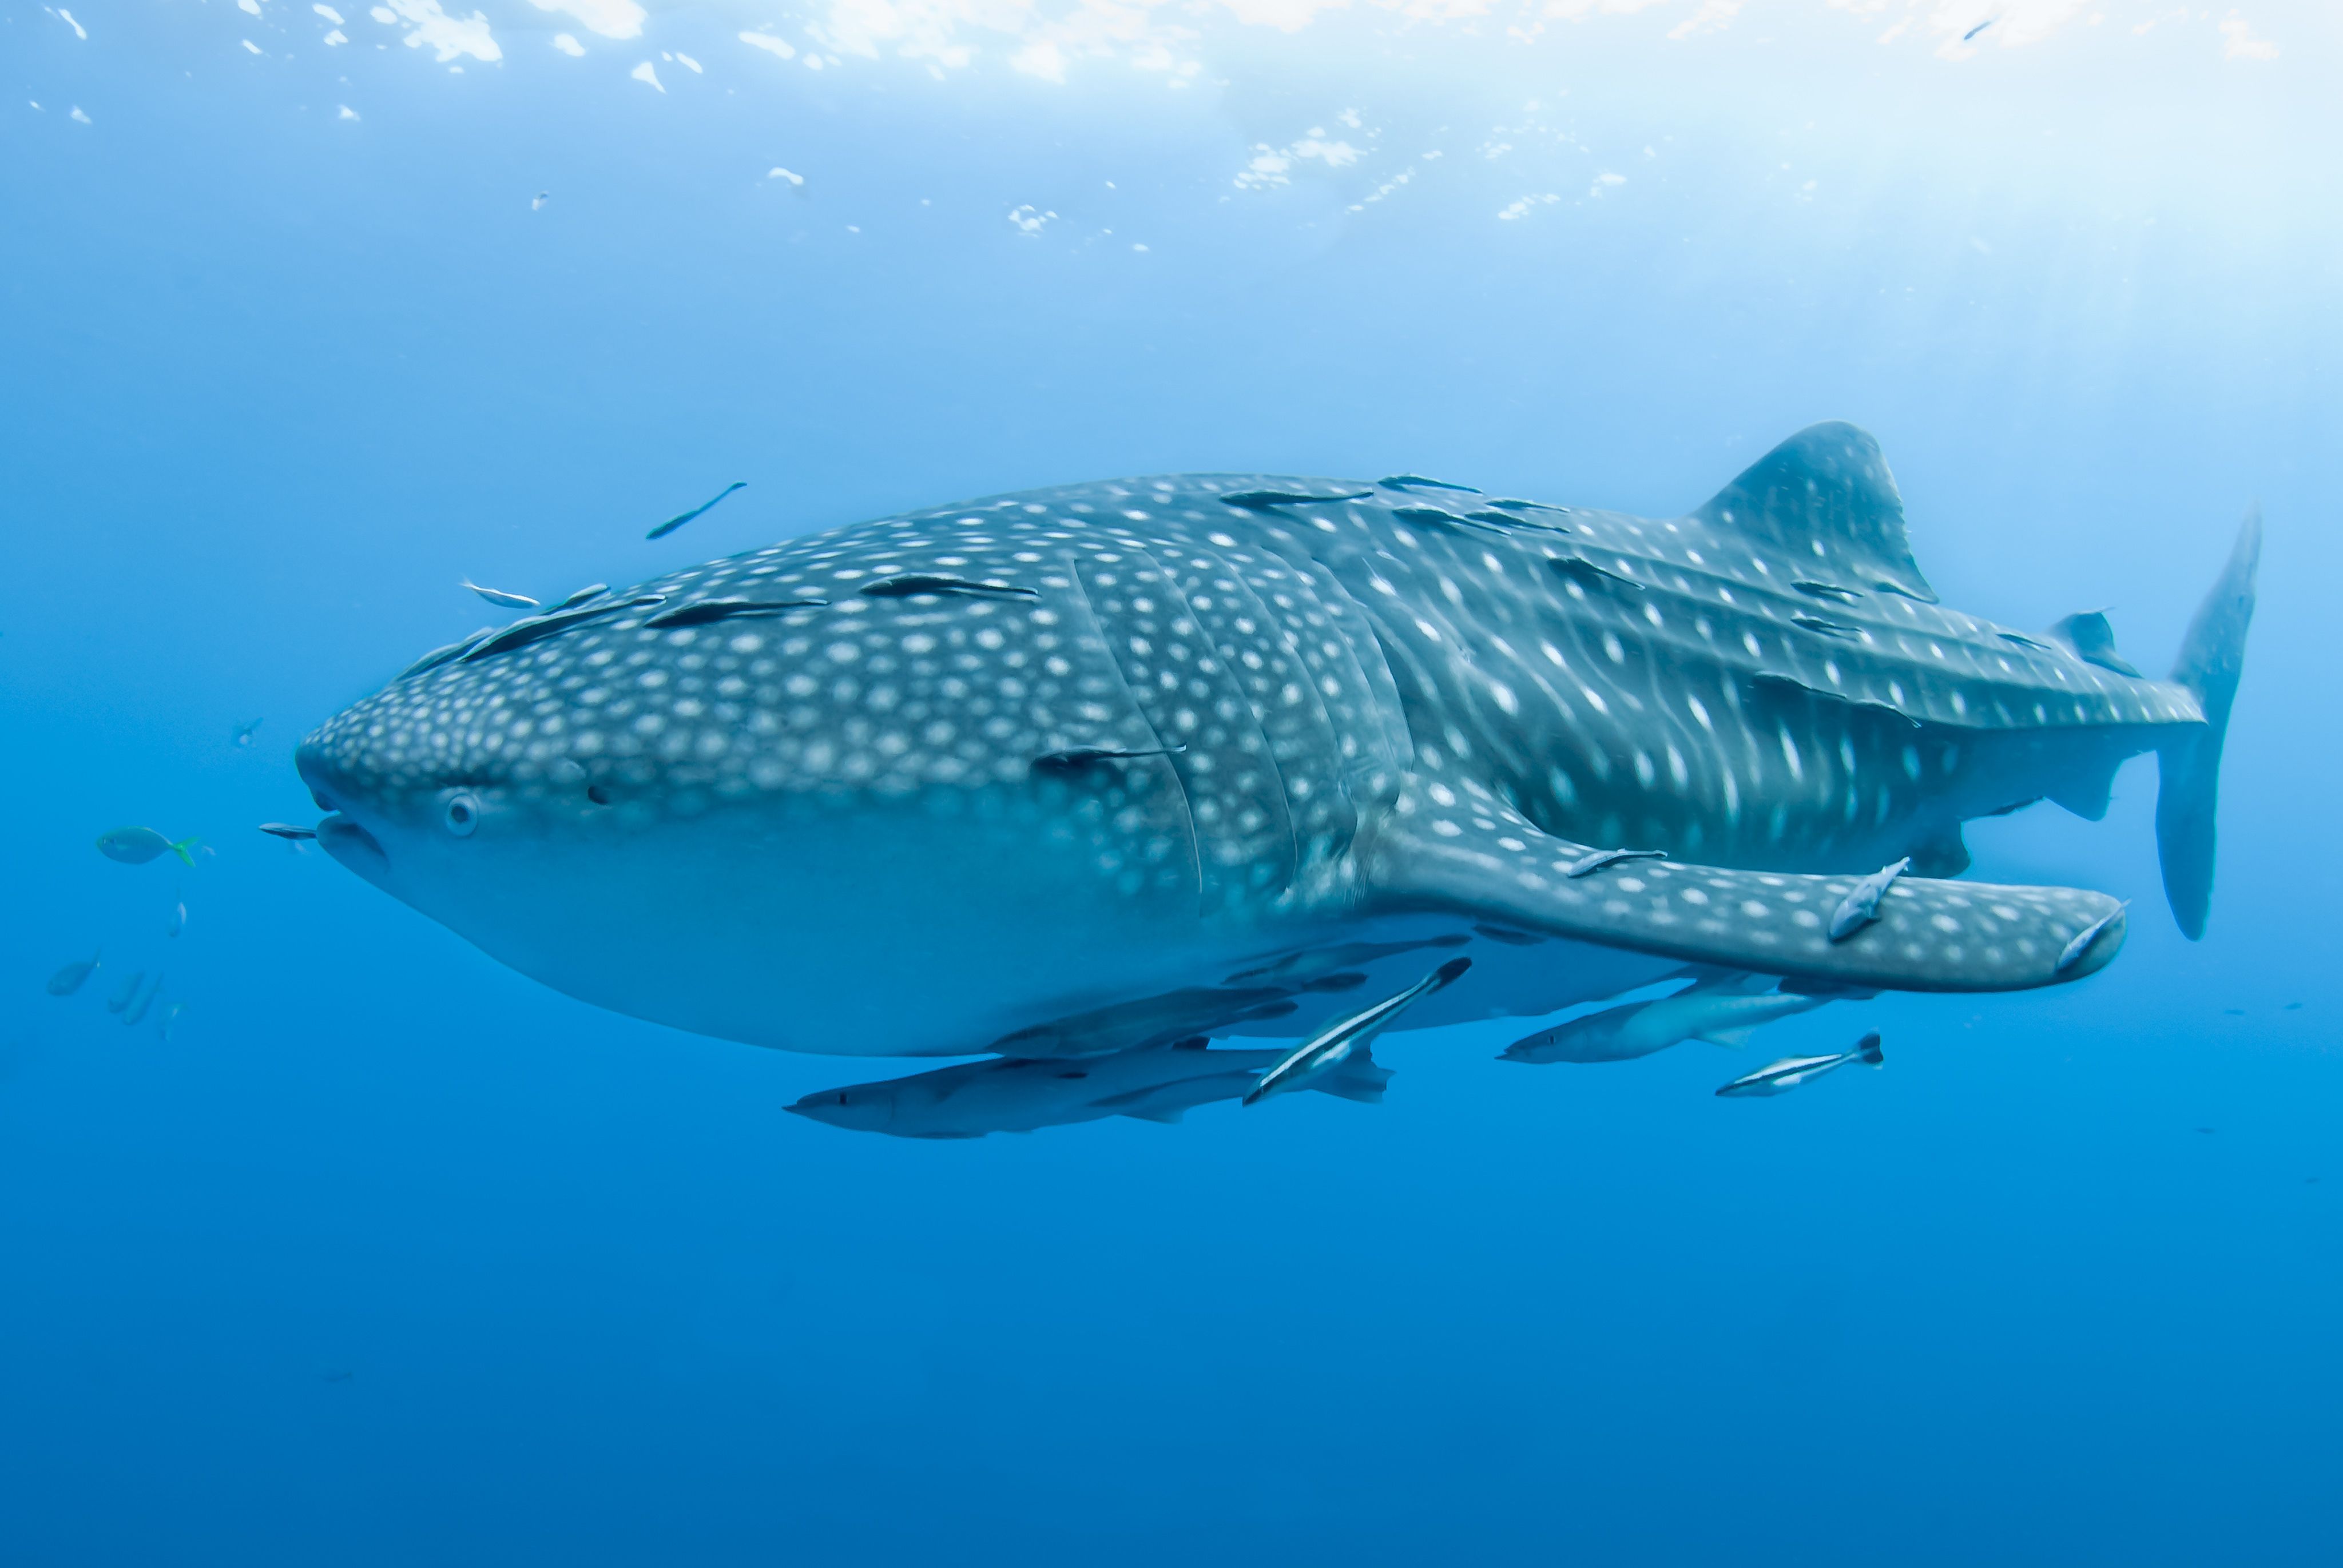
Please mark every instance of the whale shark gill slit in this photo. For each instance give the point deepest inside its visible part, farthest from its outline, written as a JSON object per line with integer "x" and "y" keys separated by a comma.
{"x": 1766, "y": 682}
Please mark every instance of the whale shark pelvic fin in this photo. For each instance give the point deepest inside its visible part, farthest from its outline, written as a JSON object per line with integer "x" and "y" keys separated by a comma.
{"x": 2189, "y": 766}
{"x": 1480, "y": 858}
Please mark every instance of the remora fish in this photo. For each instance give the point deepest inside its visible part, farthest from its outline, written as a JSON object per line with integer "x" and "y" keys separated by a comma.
{"x": 1336, "y": 1043}
{"x": 72, "y": 978}
{"x": 1153, "y": 1084}
{"x": 499, "y": 597}
{"x": 1384, "y": 733}
{"x": 1860, "y": 908}
{"x": 137, "y": 846}
{"x": 1782, "y": 1076}
{"x": 1723, "y": 1012}
{"x": 680, "y": 518}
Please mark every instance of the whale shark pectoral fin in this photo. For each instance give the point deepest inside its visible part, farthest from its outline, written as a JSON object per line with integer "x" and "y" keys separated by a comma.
{"x": 1929, "y": 935}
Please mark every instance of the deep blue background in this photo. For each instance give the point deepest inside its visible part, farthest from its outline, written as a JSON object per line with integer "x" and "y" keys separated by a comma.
{"x": 389, "y": 1256}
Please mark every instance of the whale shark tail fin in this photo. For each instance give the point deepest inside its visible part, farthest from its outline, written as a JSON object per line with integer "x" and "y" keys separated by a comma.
{"x": 2190, "y": 766}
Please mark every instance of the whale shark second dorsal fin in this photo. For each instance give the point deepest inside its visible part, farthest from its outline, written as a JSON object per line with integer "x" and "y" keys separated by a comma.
{"x": 2091, "y": 640}
{"x": 1826, "y": 496}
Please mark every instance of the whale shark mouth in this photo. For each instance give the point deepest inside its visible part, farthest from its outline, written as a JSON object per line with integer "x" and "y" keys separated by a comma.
{"x": 354, "y": 847}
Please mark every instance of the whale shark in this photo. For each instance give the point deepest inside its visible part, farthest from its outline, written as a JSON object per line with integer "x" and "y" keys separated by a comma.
{"x": 1112, "y": 766}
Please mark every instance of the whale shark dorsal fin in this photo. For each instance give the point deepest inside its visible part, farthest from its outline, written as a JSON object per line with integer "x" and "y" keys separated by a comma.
{"x": 2090, "y": 639}
{"x": 1825, "y": 497}
{"x": 1930, "y": 935}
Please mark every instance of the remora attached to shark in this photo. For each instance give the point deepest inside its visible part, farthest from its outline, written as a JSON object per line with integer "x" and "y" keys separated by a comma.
{"x": 1111, "y": 766}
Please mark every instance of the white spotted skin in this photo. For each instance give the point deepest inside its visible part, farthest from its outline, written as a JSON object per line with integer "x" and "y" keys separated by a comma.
{"x": 822, "y": 829}
{"x": 1675, "y": 703}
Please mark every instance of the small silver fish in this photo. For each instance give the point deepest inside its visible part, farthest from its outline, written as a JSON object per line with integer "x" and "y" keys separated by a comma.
{"x": 288, "y": 830}
{"x": 1861, "y": 905}
{"x": 178, "y": 920}
{"x": 137, "y": 846}
{"x": 72, "y": 978}
{"x": 124, "y": 991}
{"x": 499, "y": 597}
{"x": 590, "y": 591}
{"x": 243, "y": 735}
{"x": 1782, "y": 1076}
{"x": 1332, "y": 1045}
{"x": 144, "y": 1000}
{"x": 538, "y": 200}
{"x": 168, "y": 1020}
{"x": 680, "y": 518}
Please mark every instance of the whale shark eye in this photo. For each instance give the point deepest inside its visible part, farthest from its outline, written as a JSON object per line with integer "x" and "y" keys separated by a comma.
{"x": 462, "y": 814}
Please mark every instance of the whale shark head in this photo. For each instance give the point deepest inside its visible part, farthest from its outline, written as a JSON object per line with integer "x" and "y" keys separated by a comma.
{"x": 748, "y": 800}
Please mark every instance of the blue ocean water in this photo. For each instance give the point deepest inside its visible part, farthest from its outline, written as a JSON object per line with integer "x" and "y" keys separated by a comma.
{"x": 390, "y": 1255}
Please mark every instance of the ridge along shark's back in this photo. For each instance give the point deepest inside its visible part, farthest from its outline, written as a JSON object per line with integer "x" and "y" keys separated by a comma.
{"x": 1053, "y": 766}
